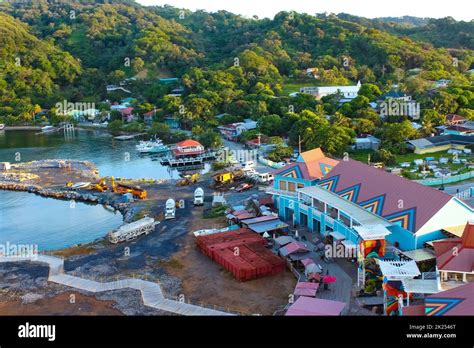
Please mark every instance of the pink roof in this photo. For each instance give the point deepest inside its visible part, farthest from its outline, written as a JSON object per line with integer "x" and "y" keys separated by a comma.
{"x": 307, "y": 262}
{"x": 420, "y": 202}
{"x": 244, "y": 215}
{"x": 126, "y": 111}
{"x": 307, "y": 285}
{"x": 460, "y": 301}
{"x": 295, "y": 247}
{"x": 315, "y": 306}
{"x": 149, "y": 113}
{"x": 306, "y": 292}
{"x": 414, "y": 310}
{"x": 463, "y": 259}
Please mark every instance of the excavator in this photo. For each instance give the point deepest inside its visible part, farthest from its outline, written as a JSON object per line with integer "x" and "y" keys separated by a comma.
{"x": 136, "y": 191}
{"x": 101, "y": 186}
{"x": 188, "y": 180}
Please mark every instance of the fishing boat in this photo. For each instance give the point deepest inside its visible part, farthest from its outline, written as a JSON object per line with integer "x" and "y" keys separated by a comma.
{"x": 2, "y": 126}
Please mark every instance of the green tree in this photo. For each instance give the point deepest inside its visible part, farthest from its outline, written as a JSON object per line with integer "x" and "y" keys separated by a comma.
{"x": 270, "y": 125}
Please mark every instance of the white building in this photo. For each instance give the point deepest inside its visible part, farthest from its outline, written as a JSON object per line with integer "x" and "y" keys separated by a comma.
{"x": 348, "y": 92}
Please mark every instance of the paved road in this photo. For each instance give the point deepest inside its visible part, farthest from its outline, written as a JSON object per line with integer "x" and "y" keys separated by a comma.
{"x": 452, "y": 189}
{"x": 233, "y": 146}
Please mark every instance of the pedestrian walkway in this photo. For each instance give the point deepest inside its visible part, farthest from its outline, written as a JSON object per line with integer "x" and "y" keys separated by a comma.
{"x": 151, "y": 293}
{"x": 339, "y": 290}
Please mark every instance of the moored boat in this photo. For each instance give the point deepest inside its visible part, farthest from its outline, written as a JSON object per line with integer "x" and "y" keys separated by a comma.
{"x": 48, "y": 129}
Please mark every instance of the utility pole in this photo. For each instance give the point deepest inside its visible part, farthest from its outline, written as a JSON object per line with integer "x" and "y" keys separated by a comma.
{"x": 299, "y": 144}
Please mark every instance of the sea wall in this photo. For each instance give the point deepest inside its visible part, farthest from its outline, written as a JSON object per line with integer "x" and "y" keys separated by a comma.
{"x": 124, "y": 208}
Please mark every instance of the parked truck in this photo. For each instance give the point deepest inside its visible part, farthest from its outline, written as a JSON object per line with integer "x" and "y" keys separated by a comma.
{"x": 170, "y": 209}
{"x": 199, "y": 196}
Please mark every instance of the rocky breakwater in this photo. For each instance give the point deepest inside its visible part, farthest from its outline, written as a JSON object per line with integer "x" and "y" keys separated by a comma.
{"x": 21, "y": 178}
{"x": 127, "y": 212}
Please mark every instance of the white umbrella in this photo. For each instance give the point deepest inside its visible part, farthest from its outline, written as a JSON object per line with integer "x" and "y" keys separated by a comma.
{"x": 266, "y": 235}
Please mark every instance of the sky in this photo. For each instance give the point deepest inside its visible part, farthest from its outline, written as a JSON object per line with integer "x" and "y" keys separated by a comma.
{"x": 458, "y": 9}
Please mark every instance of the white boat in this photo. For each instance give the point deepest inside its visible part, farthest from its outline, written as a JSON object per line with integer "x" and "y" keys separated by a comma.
{"x": 48, "y": 129}
{"x": 152, "y": 146}
{"x": 124, "y": 137}
{"x": 2, "y": 126}
{"x": 80, "y": 185}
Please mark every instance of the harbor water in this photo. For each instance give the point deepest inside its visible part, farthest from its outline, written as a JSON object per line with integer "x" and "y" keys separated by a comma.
{"x": 54, "y": 224}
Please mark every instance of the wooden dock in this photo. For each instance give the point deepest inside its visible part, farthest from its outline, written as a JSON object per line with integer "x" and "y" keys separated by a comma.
{"x": 151, "y": 293}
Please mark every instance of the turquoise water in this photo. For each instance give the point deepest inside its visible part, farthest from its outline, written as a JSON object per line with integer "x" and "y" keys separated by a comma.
{"x": 112, "y": 157}
{"x": 53, "y": 224}
{"x": 49, "y": 223}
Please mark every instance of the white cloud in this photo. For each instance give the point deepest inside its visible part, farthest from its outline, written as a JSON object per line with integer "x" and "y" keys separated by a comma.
{"x": 460, "y": 9}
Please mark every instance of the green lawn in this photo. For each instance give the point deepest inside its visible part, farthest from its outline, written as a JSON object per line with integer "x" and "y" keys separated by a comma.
{"x": 292, "y": 85}
{"x": 361, "y": 155}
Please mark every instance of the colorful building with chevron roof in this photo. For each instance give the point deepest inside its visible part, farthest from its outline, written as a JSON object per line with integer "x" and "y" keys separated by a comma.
{"x": 354, "y": 194}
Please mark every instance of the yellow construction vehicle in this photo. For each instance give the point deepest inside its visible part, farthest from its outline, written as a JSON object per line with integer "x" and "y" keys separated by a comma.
{"x": 224, "y": 178}
{"x": 188, "y": 180}
{"x": 101, "y": 186}
{"x": 136, "y": 191}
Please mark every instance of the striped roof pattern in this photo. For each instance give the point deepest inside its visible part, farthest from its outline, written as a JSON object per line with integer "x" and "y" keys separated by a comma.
{"x": 310, "y": 165}
{"x": 394, "y": 198}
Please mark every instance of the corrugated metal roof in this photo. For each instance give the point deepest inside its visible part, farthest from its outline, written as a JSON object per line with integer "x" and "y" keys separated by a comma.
{"x": 360, "y": 214}
{"x": 420, "y": 255}
{"x": 268, "y": 226}
{"x": 420, "y": 286}
{"x": 396, "y": 194}
{"x": 256, "y": 220}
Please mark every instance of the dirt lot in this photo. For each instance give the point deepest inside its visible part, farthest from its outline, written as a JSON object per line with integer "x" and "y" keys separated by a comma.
{"x": 168, "y": 255}
{"x": 205, "y": 281}
{"x": 60, "y": 305}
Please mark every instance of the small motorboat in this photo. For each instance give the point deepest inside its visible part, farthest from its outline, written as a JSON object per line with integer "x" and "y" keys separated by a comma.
{"x": 2, "y": 126}
{"x": 48, "y": 129}
{"x": 80, "y": 185}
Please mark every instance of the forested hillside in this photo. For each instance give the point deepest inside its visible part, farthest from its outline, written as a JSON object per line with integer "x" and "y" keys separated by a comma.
{"x": 227, "y": 63}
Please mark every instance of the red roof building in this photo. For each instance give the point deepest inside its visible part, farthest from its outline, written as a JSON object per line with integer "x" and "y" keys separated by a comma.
{"x": 188, "y": 148}
{"x": 453, "y": 119}
{"x": 456, "y": 255}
